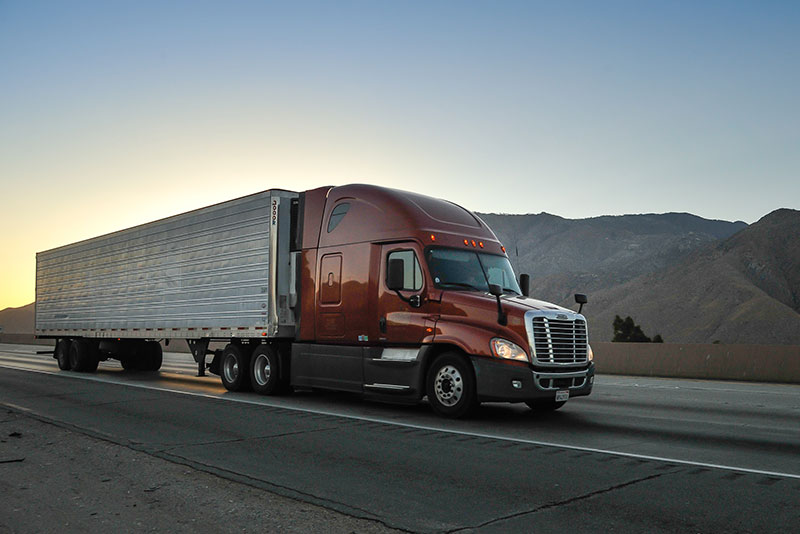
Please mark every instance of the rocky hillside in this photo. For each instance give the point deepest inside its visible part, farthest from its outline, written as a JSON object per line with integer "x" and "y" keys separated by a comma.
{"x": 17, "y": 320}
{"x": 745, "y": 289}
{"x": 564, "y": 256}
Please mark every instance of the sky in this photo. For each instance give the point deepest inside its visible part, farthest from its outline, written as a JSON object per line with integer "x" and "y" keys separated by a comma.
{"x": 116, "y": 113}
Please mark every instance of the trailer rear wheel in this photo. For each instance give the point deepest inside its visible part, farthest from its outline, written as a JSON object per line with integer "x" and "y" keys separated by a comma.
{"x": 83, "y": 356}
{"x": 450, "y": 386}
{"x": 62, "y": 354}
{"x": 265, "y": 371}
{"x": 235, "y": 368}
{"x": 154, "y": 356}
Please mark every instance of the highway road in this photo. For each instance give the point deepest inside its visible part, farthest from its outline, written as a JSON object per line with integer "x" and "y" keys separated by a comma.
{"x": 638, "y": 455}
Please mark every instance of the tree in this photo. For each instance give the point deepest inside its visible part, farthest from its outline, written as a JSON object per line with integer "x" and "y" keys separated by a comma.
{"x": 626, "y": 331}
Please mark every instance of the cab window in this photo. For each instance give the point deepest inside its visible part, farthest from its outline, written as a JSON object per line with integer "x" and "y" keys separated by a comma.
{"x": 337, "y": 214}
{"x": 412, "y": 274}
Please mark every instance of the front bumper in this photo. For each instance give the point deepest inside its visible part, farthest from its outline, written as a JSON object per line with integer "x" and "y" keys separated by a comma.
{"x": 498, "y": 381}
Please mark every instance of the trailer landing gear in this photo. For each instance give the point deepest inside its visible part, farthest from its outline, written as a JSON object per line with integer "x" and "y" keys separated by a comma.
{"x": 199, "y": 348}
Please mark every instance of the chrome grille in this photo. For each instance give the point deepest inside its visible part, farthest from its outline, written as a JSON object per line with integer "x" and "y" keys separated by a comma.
{"x": 559, "y": 341}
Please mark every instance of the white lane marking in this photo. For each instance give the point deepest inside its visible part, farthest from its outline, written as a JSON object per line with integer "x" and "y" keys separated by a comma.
{"x": 745, "y": 387}
{"x": 264, "y": 402}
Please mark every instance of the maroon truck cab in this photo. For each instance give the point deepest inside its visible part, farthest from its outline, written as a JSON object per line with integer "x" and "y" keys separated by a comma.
{"x": 402, "y": 296}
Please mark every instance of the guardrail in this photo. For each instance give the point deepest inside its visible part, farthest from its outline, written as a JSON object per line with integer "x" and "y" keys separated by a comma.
{"x": 757, "y": 363}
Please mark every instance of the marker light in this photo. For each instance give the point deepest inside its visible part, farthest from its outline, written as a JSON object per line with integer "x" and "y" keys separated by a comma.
{"x": 433, "y": 237}
{"x": 503, "y": 249}
{"x": 480, "y": 244}
{"x": 473, "y": 243}
{"x": 466, "y": 243}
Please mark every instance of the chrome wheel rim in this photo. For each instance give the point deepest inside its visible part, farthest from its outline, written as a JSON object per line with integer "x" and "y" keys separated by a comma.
{"x": 262, "y": 370}
{"x": 231, "y": 369}
{"x": 448, "y": 386}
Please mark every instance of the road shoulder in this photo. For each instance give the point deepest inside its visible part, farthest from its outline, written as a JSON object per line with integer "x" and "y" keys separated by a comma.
{"x": 55, "y": 479}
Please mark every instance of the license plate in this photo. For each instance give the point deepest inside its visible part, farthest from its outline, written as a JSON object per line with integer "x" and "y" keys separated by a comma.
{"x": 562, "y": 395}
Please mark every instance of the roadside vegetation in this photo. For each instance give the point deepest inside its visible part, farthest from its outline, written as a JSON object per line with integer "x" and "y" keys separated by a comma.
{"x": 627, "y": 331}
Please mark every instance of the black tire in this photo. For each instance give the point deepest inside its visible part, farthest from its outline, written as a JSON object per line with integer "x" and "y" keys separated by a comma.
{"x": 450, "y": 386}
{"x": 545, "y": 405}
{"x": 129, "y": 364}
{"x": 235, "y": 368}
{"x": 265, "y": 371}
{"x": 83, "y": 356}
{"x": 62, "y": 354}
{"x": 153, "y": 356}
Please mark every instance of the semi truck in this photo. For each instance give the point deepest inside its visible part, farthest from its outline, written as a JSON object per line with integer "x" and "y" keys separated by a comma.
{"x": 393, "y": 295}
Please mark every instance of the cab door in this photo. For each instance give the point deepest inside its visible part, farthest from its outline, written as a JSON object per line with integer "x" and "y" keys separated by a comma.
{"x": 405, "y": 320}
{"x": 401, "y": 320}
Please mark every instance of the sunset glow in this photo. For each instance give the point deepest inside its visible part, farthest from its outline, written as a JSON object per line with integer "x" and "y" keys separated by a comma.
{"x": 115, "y": 114}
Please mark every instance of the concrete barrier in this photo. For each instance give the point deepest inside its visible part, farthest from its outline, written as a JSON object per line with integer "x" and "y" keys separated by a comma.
{"x": 758, "y": 363}
{"x": 24, "y": 339}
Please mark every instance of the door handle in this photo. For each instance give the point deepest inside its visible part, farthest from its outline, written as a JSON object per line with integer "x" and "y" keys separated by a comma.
{"x": 382, "y": 324}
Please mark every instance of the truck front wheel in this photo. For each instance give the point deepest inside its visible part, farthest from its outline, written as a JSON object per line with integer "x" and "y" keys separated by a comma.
{"x": 235, "y": 368}
{"x": 450, "y": 386}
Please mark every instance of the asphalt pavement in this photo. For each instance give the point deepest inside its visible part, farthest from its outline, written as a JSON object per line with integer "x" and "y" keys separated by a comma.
{"x": 638, "y": 455}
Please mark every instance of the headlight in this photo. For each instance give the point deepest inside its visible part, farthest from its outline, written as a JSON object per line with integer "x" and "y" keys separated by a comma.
{"x": 589, "y": 352}
{"x": 505, "y": 349}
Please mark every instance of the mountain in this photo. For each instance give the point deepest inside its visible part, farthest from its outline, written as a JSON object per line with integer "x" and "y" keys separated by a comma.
{"x": 744, "y": 289}
{"x": 565, "y": 256}
{"x": 768, "y": 254}
{"x": 687, "y": 278}
{"x": 17, "y": 320}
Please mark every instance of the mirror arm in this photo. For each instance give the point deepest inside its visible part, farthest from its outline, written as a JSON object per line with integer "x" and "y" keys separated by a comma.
{"x": 416, "y": 304}
{"x": 502, "y": 318}
{"x": 497, "y": 291}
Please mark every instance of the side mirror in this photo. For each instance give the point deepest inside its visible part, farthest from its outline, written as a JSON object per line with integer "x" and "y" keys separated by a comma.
{"x": 581, "y": 299}
{"x": 525, "y": 284}
{"x": 497, "y": 290}
{"x": 395, "y": 274}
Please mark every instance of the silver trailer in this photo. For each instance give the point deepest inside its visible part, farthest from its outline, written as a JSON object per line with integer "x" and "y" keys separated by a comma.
{"x": 223, "y": 271}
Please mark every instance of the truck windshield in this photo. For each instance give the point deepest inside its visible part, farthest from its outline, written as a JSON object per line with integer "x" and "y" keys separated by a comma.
{"x": 470, "y": 271}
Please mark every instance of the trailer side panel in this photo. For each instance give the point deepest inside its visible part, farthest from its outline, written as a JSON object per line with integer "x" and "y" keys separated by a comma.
{"x": 204, "y": 273}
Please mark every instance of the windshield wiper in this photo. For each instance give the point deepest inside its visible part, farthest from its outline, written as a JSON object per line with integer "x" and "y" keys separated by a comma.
{"x": 460, "y": 284}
